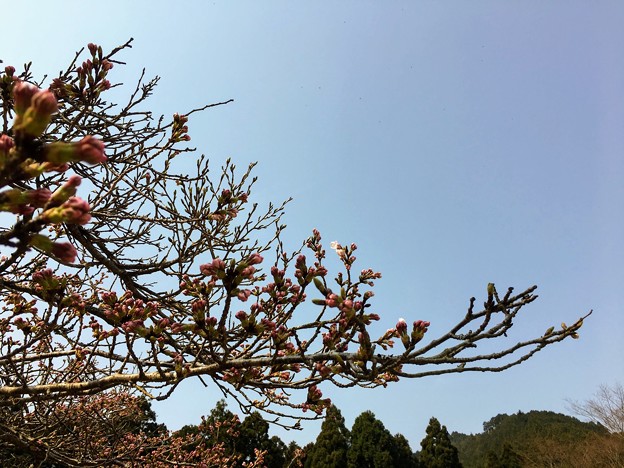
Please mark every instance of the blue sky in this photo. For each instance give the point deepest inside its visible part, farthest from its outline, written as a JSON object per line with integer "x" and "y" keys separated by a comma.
{"x": 457, "y": 143}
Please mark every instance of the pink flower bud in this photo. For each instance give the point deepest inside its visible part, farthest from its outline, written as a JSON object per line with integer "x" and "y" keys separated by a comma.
{"x": 244, "y": 294}
{"x": 38, "y": 197}
{"x": 332, "y": 300}
{"x": 44, "y": 103}
{"x": 64, "y": 251}
{"x": 6, "y": 143}
{"x": 104, "y": 85}
{"x": 90, "y": 150}
{"x": 213, "y": 268}
{"x": 9, "y": 70}
{"x": 22, "y": 95}
{"x": 248, "y": 272}
{"x": 419, "y": 330}
{"x": 65, "y": 191}
{"x": 254, "y": 259}
{"x": 180, "y": 118}
{"x": 401, "y": 326}
{"x": 37, "y": 116}
{"x": 73, "y": 211}
{"x": 92, "y": 48}
{"x": 76, "y": 211}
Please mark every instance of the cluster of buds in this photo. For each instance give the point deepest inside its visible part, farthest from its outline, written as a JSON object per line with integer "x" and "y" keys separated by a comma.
{"x": 92, "y": 77}
{"x": 282, "y": 291}
{"x": 24, "y": 157}
{"x": 251, "y": 325}
{"x": 367, "y": 276}
{"x": 418, "y": 332}
{"x": 33, "y": 109}
{"x": 314, "y": 244}
{"x": 215, "y": 269}
{"x": 46, "y": 283}
{"x": 179, "y": 131}
{"x": 241, "y": 377}
{"x": 228, "y": 206}
{"x": 196, "y": 287}
{"x": 333, "y": 339}
{"x": 315, "y": 401}
{"x": 344, "y": 253}
{"x": 23, "y": 202}
{"x": 304, "y": 274}
{"x": 281, "y": 341}
{"x": 366, "y": 350}
{"x": 127, "y": 312}
{"x": 233, "y": 274}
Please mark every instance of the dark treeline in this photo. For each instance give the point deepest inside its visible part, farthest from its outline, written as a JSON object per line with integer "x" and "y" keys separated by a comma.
{"x": 533, "y": 439}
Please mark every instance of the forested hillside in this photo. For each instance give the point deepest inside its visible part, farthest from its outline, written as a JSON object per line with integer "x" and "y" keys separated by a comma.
{"x": 538, "y": 439}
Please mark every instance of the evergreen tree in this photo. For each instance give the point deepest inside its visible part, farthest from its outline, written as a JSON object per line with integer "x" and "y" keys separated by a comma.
{"x": 372, "y": 445}
{"x": 254, "y": 434}
{"x": 332, "y": 443}
{"x": 437, "y": 450}
{"x": 403, "y": 455}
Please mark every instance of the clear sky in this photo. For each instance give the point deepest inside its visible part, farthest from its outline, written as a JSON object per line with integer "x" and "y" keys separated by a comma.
{"x": 457, "y": 143}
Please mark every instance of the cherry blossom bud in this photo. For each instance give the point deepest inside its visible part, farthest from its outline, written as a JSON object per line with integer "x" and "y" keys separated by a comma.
{"x": 38, "y": 197}
{"x": 244, "y": 294}
{"x": 65, "y": 191}
{"x": 73, "y": 211}
{"x": 104, "y": 85}
{"x": 314, "y": 394}
{"x": 76, "y": 211}
{"x": 419, "y": 330}
{"x": 9, "y": 70}
{"x": 89, "y": 150}
{"x": 401, "y": 328}
{"x": 6, "y": 143}
{"x": 22, "y": 95}
{"x": 216, "y": 267}
{"x": 332, "y": 300}
{"x": 254, "y": 259}
{"x": 63, "y": 251}
{"x": 106, "y": 65}
{"x": 92, "y": 48}
{"x": 180, "y": 118}
{"x": 36, "y": 117}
